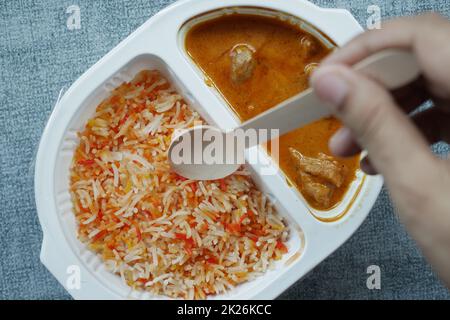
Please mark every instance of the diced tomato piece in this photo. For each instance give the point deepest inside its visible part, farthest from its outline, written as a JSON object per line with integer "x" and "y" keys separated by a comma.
{"x": 188, "y": 245}
{"x": 222, "y": 185}
{"x": 192, "y": 223}
{"x": 122, "y": 121}
{"x": 281, "y": 246}
{"x": 180, "y": 236}
{"x": 212, "y": 260}
{"x": 178, "y": 177}
{"x": 190, "y": 242}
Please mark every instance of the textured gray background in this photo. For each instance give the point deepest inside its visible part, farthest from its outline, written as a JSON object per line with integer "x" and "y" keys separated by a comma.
{"x": 39, "y": 55}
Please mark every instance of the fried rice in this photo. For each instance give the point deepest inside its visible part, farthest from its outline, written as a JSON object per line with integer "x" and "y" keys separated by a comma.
{"x": 159, "y": 231}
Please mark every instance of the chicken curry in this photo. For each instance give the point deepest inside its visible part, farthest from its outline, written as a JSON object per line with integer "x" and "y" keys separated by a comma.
{"x": 257, "y": 62}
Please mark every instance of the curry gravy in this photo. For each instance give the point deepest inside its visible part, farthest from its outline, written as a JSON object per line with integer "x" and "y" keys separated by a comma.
{"x": 283, "y": 56}
{"x": 311, "y": 140}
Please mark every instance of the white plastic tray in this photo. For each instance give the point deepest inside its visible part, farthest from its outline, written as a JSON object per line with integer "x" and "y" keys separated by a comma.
{"x": 158, "y": 44}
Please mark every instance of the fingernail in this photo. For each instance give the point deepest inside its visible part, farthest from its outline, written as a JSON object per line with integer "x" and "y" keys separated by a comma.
{"x": 330, "y": 87}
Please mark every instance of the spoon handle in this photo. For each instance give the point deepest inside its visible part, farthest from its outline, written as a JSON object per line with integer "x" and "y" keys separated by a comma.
{"x": 393, "y": 68}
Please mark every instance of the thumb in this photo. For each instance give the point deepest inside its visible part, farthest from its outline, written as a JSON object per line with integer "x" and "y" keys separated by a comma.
{"x": 393, "y": 143}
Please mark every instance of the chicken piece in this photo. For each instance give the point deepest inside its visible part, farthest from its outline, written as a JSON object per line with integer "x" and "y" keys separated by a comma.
{"x": 321, "y": 193}
{"x": 323, "y": 167}
{"x": 242, "y": 62}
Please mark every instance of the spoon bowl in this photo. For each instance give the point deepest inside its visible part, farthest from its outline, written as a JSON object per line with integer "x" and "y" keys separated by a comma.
{"x": 190, "y": 157}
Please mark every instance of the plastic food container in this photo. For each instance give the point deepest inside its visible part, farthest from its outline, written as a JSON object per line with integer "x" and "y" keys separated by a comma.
{"x": 159, "y": 44}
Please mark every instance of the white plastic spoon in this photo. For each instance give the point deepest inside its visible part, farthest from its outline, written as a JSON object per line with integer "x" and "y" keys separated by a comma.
{"x": 188, "y": 153}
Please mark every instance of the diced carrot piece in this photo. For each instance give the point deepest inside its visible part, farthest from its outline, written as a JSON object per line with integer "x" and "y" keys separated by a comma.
{"x": 281, "y": 246}
{"x": 203, "y": 227}
{"x": 188, "y": 245}
{"x": 147, "y": 213}
{"x": 243, "y": 218}
{"x": 233, "y": 227}
{"x": 139, "y": 107}
{"x": 181, "y": 115}
{"x": 99, "y": 235}
{"x": 138, "y": 231}
{"x": 152, "y": 95}
{"x": 258, "y": 232}
{"x": 111, "y": 245}
{"x": 114, "y": 99}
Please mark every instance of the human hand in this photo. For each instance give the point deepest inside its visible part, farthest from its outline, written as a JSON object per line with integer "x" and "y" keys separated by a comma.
{"x": 377, "y": 120}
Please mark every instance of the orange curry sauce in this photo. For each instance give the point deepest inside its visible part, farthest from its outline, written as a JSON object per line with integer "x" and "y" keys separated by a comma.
{"x": 284, "y": 57}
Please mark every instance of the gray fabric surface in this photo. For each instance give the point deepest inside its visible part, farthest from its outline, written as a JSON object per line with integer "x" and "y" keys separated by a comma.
{"x": 39, "y": 55}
